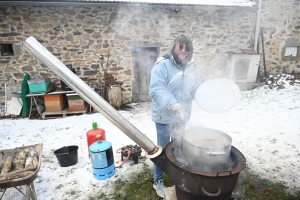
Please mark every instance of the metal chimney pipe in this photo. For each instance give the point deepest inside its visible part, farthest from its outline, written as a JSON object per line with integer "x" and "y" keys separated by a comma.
{"x": 89, "y": 95}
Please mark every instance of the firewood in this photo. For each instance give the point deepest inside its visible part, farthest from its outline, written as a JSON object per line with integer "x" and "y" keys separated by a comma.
{"x": 31, "y": 159}
{"x": 22, "y": 155}
{"x": 28, "y": 162}
{"x": 16, "y": 176}
{"x": 13, "y": 173}
{"x": 21, "y": 159}
{"x": 35, "y": 161}
{"x": 7, "y": 165}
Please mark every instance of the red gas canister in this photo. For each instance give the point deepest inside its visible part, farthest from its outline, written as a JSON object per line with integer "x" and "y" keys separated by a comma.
{"x": 91, "y": 135}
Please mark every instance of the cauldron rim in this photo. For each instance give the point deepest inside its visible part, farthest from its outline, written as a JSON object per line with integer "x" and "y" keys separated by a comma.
{"x": 240, "y": 163}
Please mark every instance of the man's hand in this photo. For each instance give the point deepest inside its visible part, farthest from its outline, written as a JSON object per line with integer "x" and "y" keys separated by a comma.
{"x": 176, "y": 109}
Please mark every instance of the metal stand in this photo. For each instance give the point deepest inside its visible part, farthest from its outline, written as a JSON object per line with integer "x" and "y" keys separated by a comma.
{"x": 30, "y": 192}
{"x": 34, "y": 102}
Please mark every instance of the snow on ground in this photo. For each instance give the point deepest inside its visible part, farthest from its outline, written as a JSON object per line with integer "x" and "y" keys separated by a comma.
{"x": 264, "y": 126}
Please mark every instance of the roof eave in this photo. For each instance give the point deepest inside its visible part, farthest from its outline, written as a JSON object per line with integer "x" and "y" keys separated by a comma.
{"x": 105, "y": 4}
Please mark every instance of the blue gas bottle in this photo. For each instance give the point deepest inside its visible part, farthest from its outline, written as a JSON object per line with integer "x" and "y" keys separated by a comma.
{"x": 102, "y": 159}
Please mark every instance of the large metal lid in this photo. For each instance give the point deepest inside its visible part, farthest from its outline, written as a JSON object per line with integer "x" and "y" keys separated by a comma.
{"x": 217, "y": 95}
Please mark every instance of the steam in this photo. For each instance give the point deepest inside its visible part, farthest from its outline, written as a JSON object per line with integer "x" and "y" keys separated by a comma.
{"x": 176, "y": 136}
{"x": 203, "y": 149}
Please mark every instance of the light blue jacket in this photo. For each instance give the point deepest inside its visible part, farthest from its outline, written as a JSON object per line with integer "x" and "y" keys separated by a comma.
{"x": 170, "y": 84}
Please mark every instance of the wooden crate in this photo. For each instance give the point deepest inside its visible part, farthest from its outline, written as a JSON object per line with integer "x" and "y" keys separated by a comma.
{"x": 73, "y": 96}
{"x": 54, "y": 108}
{"x": 55, "y": 103}
{"x": 77, "y": 102}
{"x": 78, "y": 107}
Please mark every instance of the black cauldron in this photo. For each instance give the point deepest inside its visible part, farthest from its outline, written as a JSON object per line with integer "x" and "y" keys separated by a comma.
{"x": 196, "y": 185}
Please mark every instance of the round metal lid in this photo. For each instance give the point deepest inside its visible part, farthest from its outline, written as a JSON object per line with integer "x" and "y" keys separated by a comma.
{"x": 217, "y": 95}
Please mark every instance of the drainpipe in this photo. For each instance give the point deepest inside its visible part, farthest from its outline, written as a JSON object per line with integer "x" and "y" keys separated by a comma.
{"x": 257, "y": 27}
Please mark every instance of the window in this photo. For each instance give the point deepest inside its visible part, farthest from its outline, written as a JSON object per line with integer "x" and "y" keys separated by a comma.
{"x": 6, "y": 50}
{"x": 291, "y": 51}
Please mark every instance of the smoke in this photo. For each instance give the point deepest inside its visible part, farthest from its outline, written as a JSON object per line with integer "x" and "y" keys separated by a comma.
{"x": 203, "y": 149}
{"x": 176, "y": 136}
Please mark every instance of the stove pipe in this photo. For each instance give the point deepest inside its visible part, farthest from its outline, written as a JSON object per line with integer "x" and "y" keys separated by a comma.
{"x": 89, "y": 95}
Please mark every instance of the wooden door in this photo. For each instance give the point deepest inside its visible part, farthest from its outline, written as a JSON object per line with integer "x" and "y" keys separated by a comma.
{"x": 143, "y": 59}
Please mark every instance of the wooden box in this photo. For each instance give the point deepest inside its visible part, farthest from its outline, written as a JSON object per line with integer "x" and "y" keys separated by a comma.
{"x": 75, "y": 102}
{"x": 78, "y": 102}
{"x": 54, "y": 103}
{"x": 78, "y": 107}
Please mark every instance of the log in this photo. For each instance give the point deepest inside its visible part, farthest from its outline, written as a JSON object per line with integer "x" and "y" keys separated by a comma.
{"x": 35, "y": 161}
{"x": 15, "y": 176}
{"x": 16, "y": 172}
{"x": 7, "y": 165}
{"x": 21, "y": 159}
{"x": 114, "y": 97}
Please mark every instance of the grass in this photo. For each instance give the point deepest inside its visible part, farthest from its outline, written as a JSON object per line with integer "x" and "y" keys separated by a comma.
{"x": 249, "y": 187}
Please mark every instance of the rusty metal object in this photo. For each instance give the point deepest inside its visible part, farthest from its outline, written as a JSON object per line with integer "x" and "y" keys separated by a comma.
{"x": 196, "y": 185}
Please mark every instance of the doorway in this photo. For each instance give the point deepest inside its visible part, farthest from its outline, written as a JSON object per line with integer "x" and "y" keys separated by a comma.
{"x": 143, "y": 61}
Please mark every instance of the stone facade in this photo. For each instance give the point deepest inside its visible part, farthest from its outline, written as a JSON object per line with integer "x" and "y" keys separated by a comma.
{"x": 280, "y": 21}
{"x": 95, "y": 38}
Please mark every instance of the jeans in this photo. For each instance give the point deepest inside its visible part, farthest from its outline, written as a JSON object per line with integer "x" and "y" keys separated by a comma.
{"x": 165, "y": 133}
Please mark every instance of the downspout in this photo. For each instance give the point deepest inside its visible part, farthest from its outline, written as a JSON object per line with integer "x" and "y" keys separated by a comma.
{"x": 257, "y": 27}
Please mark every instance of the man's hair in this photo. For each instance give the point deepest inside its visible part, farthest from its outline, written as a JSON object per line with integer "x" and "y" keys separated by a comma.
{"x": 180, "y": 39}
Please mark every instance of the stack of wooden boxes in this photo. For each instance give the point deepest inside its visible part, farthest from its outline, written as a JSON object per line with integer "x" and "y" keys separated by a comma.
{"x": 76, "y": 103}
{"x": 55, "y": 103}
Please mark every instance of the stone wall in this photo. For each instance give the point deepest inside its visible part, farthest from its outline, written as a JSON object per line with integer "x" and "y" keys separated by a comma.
{"x": 93, "y": 38}
{"x": 280, "y": 21}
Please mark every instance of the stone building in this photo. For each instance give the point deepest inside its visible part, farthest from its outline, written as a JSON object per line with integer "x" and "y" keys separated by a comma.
{"x": 124, "y": 39}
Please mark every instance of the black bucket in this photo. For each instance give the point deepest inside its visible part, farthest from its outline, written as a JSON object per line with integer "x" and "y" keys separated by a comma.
{"x": 67, "y": 156}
